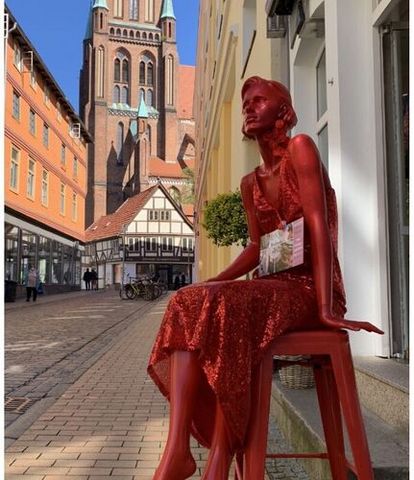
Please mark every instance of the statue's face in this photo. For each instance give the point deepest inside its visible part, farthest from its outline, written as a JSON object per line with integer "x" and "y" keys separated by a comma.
{"x": 261, "y": 107}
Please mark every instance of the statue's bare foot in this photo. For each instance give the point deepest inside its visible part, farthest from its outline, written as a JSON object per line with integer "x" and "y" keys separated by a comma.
{"x": 174, "y": 466}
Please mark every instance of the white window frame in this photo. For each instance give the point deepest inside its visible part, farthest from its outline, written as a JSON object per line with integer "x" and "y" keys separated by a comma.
{"x": 62, "y": 198}
{"x": 14, "y": 169}
{"x": 31, "y": 178}
{"x": 74, "y": 206}
{"x": 45, "y": 188}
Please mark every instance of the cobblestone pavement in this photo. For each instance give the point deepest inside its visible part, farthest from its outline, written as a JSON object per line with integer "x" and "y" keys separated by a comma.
{"x": 48, "y": 345}
{"x": 112, "y": 421}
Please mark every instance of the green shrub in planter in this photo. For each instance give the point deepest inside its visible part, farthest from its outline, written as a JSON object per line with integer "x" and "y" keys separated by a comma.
{"x": 225, "y": 220}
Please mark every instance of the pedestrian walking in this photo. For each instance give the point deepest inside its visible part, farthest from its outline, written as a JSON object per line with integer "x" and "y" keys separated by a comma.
{"x": 94, "y": 279}
{"x": 32, "y": 281}
{"x": 183, "y": 279}
{"x": 87, "y": 279}
{"x": 177, "y": 282}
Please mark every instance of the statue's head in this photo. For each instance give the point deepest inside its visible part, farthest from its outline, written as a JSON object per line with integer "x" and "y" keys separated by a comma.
{"x": 266, "y": 102}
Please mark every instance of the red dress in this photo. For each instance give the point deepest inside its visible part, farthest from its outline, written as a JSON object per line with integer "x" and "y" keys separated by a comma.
{"x": 231, "y": 323}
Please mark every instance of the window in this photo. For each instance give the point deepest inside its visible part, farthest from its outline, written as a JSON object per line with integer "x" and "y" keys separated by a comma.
{"x": 118, "y": 8}
{"x": 170, "y": 80}
{"x": 100, "y": 66}
{"x": 120, "y": 143}
{"x": 117, "y": 70}
{"x": 116, "y": 94}
{"x": 45, "y": 187}
{"x": 32, "y": 122}
{"x": 62, "y": 199}
{"x": 63, "y": 155}
{"x": 142, "y": 73}
{"x": 14, "y": 169}
{"x": 149, "y": 10}
{"x": 59, "y": 111}
{"x": 321, "y": 85}
{"x": 125, "y": 71}
{"x": 45, "y": 135}
{"x": 17, "y": 57}
{"x": 151, "y": 244}
{"x": 16, "y": 105}
{"x": 164, "y": 215}
{"x": 74, "y": 207}
{"x": 133, "y": 9}
{"x": 124, "y": 96}
{"x": 141, "y": 95}
{"x": 46, "y": 95}
{"x": 187, "y": 244}
{"x": 150, "y": 74}
{"x": 153, "y": 215}
{"x": 33, "y": 81}
{"x": 30, "y": 178}
{"x": 149, "y": 98}
{"x": 75, "y": 167}
{"x": 167, "y": 244}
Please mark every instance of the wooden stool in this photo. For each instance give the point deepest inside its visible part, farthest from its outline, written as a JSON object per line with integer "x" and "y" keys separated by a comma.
{"x": 330, "y": 357}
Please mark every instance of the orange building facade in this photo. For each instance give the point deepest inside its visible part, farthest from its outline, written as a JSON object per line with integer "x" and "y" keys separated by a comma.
{"x": 45, "y": 172}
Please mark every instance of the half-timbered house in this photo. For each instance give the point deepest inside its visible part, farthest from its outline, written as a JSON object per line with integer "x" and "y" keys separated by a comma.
{"x": 148, "y": 235}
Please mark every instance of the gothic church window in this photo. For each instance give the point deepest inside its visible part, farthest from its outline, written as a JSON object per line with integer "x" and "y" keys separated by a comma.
{"x": 124, "y": 97}
{"x": 117, "y": 94}
{"x": 118, "y": 8}
{"x": 150, "y": 74}
{"x": 141, "y": 95}
{"x": 100, "y": 62}
{"x": 112, "y": 31}
{"x": 142, "y": 73}
{"x": 133, "y": 9}
{"x": 170, "y": 80}
{"x": 125, "y": 71}
{"x": 149, "y": 10}
{"x": 117, "y": 70}
{"x": 119, "y": 143}
{"x": 149, "y": 98}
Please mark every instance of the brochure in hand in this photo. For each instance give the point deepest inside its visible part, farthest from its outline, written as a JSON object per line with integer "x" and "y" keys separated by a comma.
{"x": 282, "y": 248}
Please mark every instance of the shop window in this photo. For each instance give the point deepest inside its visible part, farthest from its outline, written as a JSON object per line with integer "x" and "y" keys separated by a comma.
{"x": 57, "y": 262}
{"x": 28, "y": 252}
{"x": 44, "y": 263}
{"x": 10, "y": 253}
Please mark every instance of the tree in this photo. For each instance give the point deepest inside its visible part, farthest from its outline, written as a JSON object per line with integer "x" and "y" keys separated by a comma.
{"x": 188, "y": 195}
{"x": 225, "y": 220}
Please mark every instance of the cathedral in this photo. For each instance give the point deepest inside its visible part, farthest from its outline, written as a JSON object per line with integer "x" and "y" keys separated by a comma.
{"x": 136, "y": 102}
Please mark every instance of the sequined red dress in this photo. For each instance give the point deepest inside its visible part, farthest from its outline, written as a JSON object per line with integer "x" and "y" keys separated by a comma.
{"x": 230, "y": 323}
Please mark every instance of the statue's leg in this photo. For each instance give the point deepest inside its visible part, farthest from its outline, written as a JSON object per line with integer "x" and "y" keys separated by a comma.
{"x": 222, "y": 450}
{"x": 177, "y": 462}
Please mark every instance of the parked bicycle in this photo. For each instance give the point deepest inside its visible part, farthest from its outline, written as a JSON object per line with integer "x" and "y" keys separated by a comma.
{"x": 140, "y": 287}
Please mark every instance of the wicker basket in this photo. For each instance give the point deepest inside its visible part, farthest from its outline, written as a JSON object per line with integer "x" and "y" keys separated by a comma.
{"x": 296, "y": 376}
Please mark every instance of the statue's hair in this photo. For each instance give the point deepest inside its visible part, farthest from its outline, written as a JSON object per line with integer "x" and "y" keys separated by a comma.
{"x": 279, "y": 89}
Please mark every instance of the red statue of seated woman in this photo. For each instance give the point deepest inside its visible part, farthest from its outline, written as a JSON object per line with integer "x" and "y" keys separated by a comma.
{"x": 214, "y": 334}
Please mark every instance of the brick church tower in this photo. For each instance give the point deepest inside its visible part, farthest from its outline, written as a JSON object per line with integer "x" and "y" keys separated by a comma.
{"x": 135, "y": 101}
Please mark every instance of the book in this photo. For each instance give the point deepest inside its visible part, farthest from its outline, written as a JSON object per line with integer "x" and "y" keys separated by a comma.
{"x": 282, "y": 249}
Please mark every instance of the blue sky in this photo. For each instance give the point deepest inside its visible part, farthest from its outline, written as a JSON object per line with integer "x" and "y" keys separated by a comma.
{"x": 57, "y": 33}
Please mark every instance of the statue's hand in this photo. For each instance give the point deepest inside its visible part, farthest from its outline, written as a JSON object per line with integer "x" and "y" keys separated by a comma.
{"x": 331, "y": 321}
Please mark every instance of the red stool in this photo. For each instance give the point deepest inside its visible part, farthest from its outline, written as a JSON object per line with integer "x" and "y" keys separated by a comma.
{"x": 330, "y": 357}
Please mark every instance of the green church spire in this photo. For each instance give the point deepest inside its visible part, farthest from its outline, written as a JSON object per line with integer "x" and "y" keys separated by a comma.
{"x": 167, "y": 10}
{"x": 100, "y": 4}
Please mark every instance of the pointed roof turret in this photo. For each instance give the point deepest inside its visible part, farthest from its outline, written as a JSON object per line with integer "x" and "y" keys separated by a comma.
{"x": 167, "y": 10}
{"x": 88, "y": 33}
{"x": 142, "y": 109}
{"x": 100, "y": 4}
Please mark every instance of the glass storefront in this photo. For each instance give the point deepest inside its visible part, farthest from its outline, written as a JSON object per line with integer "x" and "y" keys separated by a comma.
{"x": 58, "y": 264}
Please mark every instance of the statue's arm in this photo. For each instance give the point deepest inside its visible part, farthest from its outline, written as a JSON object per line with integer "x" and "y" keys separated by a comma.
{"x": 249, "y": 257}
{"x": 308, "y": 168}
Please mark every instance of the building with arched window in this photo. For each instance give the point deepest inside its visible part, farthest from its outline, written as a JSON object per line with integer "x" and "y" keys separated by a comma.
{"x": 130, "y": 59}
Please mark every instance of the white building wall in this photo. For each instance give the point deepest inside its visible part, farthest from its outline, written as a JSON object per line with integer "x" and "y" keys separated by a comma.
{"x": 354, "y": 167}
